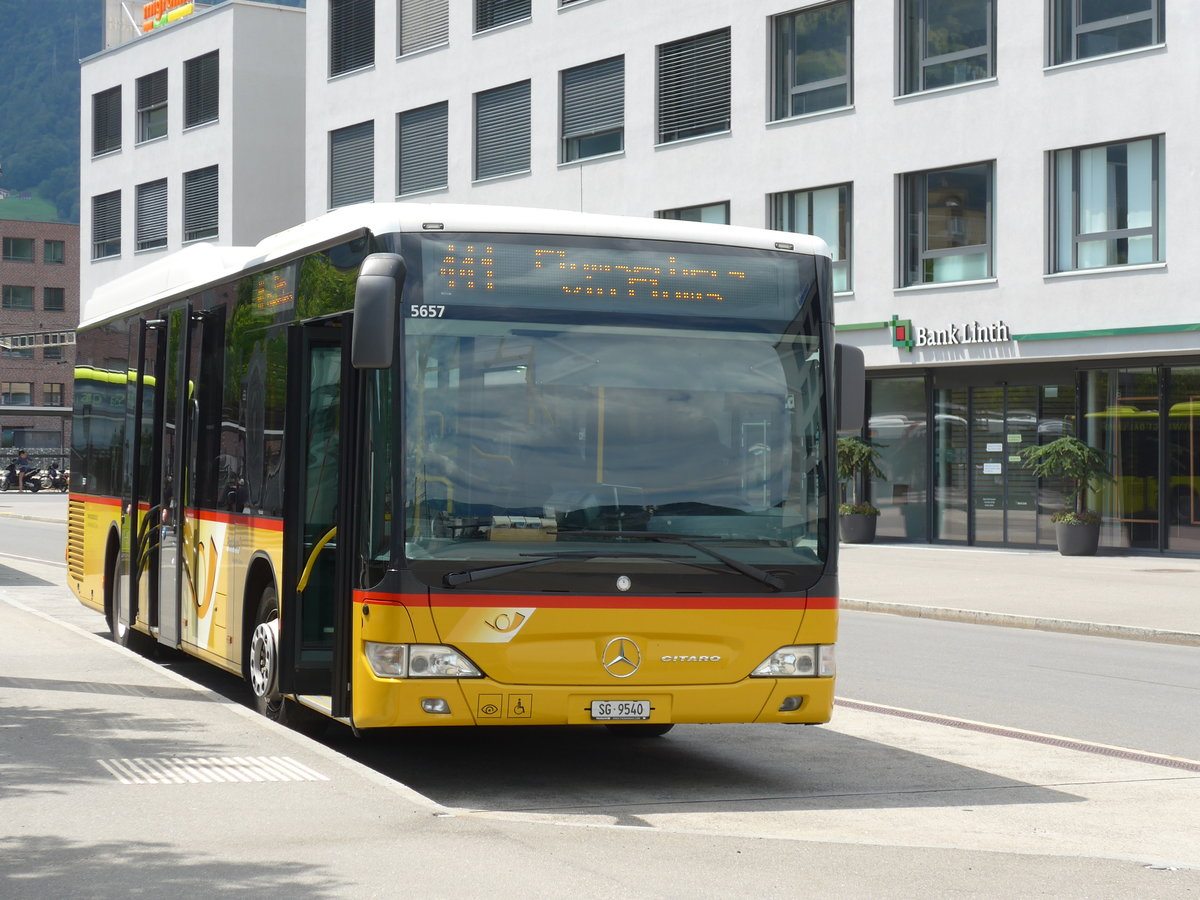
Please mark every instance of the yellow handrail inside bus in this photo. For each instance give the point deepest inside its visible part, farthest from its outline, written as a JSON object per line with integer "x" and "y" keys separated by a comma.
{"x": 312, "y": 558}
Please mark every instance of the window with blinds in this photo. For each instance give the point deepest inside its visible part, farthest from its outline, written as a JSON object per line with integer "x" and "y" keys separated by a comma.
{"x": 106, "y": 121}
{"x": 423, "y": 24}
{"x": 352, "y": 165}
{"x": 150, "y": 215}
{"x": 502, "y": 131}
{"x": 423, "y": 151}
{"x": 492, "y": 13}
{"x": 593, "y": 109}
{"x": 693, "y": 87}
{"x": 201, "y": 89}
{"x": 152, "y": 105}
{"x": 200, "y": 204}
{"x": 106, "y": 225}
{"x": 351, "y": 35}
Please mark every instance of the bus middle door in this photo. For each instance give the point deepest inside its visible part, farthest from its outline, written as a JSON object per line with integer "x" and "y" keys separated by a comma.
{"x": 315, "y": 597}
{"x": 157, "y": 424}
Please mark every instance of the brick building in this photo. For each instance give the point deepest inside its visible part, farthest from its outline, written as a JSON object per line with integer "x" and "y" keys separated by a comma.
{"x": 39, "y": 295}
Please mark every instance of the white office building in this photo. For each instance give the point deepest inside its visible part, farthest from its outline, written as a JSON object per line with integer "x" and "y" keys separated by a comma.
{"x": 191, "y": 134}
{"x": 1005, "y": 188}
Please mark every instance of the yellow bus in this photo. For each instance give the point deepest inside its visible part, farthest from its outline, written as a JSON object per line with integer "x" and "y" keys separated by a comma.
{"x": 446, "y": 465}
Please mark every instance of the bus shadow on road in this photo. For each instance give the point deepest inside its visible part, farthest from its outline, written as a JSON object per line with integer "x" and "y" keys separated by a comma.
{"x": 10, "y": 577}
{"x": 698, "y": 768}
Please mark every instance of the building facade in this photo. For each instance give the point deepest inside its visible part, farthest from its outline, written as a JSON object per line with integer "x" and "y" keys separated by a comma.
{"x": 191, "y": 133}
{"x": 39, "y": 308}
{"x": 997, "y": 182}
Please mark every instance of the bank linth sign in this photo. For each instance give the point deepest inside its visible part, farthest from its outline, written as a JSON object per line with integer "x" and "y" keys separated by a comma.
{"x": 908, "y": 336}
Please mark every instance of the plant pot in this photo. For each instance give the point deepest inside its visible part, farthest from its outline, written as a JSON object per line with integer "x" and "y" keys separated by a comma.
{"x": 1077, "y": 540}
{"x": 858, "y": 528}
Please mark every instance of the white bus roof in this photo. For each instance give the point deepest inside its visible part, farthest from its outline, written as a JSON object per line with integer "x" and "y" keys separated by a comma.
{"x": 204, "y": 265}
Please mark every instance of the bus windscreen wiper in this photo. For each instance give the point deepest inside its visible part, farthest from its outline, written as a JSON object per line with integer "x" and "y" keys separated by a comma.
{"x": 454, "y": 579}
{"x": 690, "y": 540}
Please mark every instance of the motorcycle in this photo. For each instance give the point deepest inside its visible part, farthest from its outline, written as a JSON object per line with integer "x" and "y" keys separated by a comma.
{"x": 33, "y": 478}
{"x": 60, "y": 479}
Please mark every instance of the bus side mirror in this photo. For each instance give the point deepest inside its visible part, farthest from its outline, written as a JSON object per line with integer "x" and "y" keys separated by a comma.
{"x": 375, "y": 297}
{"x": 851, "y": 373}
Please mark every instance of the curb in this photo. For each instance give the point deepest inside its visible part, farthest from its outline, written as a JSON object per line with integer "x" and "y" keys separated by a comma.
{"x": 46, "y": 519}
{"x": 1035, "y": 623}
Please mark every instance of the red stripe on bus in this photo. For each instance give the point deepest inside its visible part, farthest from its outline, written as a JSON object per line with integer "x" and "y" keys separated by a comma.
{"x": 204, "y": 514}
{"x": 99, "y": 501}
{"x": 209, "y": 515}
{"x": 592, "y": 601}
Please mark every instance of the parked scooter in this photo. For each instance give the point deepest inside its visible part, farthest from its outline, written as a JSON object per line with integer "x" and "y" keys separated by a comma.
{"x": 60, "y": 479}
{"x": 12, "y": 479}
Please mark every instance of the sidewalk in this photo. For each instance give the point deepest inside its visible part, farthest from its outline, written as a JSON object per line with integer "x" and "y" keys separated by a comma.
{"x": 44, "y": 506}
{"x": 1142, "y": 597}
{"x": 1131, "y": 596}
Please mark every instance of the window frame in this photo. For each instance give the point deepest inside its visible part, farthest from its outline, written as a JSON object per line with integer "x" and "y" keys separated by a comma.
{"x": 490, "y": 14}
{"x": 351, "y": 36}
{"x": 677, "y": 213}
{"x": 604, "y": 118}
{"x": 9, "y": 249}
{"x": 61, "y": 303}
{"x": 424, "y": 131}
{"x": 202, "y": 204}
{"x": 60, "y": 259}
{"x": 151, "y": 100}
{"x": 106, "y": 211}
{"x": 915, "y": 253}
{"x": 432, "y": 27}
{"x": 202, "y": 89}
{"x": 503, "y": 118}
{"x": 783, "y": 219}
{"x": 785, "y": 51}
{"x": 1064, "y": 30}
{"x": 1156, "y": 230}
{"x": 8, "y": 297}
{"x": 50, "y": 395}
{"x": 7, "y": 393}
{"x": 681, "y": 118}
{"x": 150, "y": 224}
{"x": 106, "y": 121}
{"x": 359, "y": 160}
{"x": 915, "y": 60}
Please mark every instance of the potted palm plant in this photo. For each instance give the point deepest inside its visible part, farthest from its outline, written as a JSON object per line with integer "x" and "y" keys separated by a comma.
{"x": 1076, "y": 528}
{"x": 856, "y": 459}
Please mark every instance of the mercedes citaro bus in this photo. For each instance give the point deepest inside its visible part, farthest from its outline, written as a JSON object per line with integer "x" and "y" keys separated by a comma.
{"x": 463, "y": 465}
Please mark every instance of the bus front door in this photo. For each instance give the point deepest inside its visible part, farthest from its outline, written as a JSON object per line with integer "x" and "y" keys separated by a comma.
{"x": 315, "y": 597}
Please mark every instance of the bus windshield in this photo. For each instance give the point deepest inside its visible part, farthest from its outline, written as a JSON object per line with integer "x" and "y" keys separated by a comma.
{"x": 539, "y": 440}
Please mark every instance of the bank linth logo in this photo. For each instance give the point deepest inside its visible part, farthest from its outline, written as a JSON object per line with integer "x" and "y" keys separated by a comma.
{"x": 906, "y": 336}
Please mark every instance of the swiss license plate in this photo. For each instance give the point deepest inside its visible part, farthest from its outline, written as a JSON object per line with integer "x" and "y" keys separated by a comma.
{"x": 611, "y": 710}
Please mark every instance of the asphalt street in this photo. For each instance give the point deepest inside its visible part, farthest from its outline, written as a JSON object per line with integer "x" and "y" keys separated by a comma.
{"x": 122, "y": 778}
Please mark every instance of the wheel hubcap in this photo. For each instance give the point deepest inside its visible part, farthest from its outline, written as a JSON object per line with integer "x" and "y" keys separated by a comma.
{"x": 263, "y": 667}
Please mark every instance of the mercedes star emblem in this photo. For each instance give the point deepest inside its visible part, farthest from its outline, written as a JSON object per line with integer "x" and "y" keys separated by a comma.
{"x": 621, "y": 657}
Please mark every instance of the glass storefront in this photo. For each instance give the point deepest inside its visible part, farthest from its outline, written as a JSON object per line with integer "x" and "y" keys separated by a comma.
{"x": 1183, "y": 461}
{"x": 965, "y": 481}
{"x": 898, "y": 429}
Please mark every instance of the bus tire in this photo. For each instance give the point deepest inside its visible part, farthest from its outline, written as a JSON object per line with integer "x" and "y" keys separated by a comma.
{"x": 640, "y": 731}
{"x": 124, "y": 634}
{"x": 262, "y": 671}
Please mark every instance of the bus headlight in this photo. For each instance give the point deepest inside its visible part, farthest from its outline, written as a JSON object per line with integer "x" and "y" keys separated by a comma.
{"x": 805, "y": 661}
{"x": 419, "y": 661}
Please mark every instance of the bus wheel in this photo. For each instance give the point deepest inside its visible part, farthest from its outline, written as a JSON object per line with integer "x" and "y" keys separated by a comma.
{"x": 639, "y": 731}
{"x": 263, "y": 672}
{"x": 123, "y": 633}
